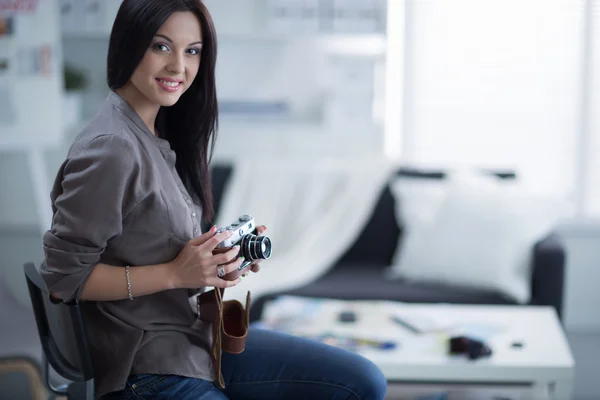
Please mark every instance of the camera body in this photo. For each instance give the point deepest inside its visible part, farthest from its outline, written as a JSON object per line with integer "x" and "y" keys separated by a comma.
{"x": 252, "y": 246}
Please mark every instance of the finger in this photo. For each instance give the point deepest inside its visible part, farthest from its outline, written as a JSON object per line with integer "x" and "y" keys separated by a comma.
{"x": 232, "y": 266}
{"x": 198, "y": 240}
{"x": 255, "y": 268}
{"x": 221, "y": 283}
{"x": 211, "y": 243}
{"x": 224, "y": 258}
{"x": 238, "y": 264}
{"x": 260, "y": 229}
{"x": 246, "y": 272}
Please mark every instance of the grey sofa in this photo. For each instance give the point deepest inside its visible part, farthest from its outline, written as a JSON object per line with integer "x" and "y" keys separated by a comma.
{"x": 358, "y": 274}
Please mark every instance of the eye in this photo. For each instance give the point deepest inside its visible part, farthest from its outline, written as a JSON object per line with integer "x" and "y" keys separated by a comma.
{"x": 160, "y": 47}
{"x": 194, "y": 51}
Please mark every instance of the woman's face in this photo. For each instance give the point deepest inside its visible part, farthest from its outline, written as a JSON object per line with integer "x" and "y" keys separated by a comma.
{"x": 171, "y": 62}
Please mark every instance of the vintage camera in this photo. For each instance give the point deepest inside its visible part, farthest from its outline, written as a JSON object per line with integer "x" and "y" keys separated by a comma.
{"x": 252, "y": 246}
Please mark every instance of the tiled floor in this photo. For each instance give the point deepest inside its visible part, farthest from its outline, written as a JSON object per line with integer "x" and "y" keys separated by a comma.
{"x": 18, "y": 333}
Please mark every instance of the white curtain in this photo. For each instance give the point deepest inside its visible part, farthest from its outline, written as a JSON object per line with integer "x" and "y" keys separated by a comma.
{"x": 590, "y": 145}
{"x": 496, "y": 84}
{"x": 313, "y": 209}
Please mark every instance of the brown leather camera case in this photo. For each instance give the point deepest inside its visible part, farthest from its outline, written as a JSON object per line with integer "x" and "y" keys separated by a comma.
{"x": 230, "y": 321}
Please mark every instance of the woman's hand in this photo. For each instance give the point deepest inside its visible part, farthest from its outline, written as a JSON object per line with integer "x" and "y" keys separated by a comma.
{"x": 196, "y": 265}
{"x": 255, "y": 267}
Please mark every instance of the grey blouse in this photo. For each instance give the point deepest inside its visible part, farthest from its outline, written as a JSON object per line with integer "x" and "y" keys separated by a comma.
{"x": 117, "y": 199}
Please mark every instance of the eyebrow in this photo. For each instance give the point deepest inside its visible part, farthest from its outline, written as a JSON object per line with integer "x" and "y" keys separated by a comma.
{"x": 170, "y": 41}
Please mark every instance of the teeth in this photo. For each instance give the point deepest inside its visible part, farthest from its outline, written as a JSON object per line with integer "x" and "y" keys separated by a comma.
{"x": 170, "y": 84}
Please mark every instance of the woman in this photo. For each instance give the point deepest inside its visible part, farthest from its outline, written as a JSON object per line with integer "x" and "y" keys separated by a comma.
{"x": 126, "y": 241}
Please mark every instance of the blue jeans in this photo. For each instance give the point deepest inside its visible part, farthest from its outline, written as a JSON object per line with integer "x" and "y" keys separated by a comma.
{"x": 273, "y": 366}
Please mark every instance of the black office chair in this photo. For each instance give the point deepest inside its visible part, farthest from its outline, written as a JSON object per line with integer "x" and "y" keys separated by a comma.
{"x": 63, "y": 337}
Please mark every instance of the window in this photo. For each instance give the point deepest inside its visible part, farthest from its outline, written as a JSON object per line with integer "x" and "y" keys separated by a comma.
{"x": 589, "y": 157}
{"x": 496, "y": 84}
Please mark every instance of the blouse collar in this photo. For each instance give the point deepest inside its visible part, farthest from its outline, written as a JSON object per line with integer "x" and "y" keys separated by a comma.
{"x": 115, "y": 99}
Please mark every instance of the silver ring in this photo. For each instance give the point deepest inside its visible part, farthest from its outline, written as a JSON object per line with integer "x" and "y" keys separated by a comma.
{"x": 221, "y": 272}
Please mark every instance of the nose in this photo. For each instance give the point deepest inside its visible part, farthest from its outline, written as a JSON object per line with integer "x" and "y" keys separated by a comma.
{"x": 176, "y": 63}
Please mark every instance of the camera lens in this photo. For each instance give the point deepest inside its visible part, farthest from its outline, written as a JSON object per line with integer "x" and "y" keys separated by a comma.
{"x": 255, "y": 247}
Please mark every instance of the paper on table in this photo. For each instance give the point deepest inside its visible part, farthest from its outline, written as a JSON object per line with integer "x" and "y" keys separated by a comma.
{"x": 419, "y": 321}
{"x": 287, "y": 310}
{"x": 416, "y": 321}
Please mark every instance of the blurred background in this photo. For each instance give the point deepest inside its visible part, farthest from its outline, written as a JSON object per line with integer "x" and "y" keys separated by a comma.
{"x": 503, "y": 85}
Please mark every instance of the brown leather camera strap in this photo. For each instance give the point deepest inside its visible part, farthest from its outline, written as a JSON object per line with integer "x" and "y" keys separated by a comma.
{"x": 230, "y": 321}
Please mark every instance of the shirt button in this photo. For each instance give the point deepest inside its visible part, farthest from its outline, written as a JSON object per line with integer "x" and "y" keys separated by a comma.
{"x": 194, "y": 214}
{"x": 195, "y": 231}
{"x": 188, "y": 201}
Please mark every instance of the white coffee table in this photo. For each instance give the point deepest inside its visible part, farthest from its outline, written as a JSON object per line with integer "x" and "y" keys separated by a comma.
{"x": 544, "y": 361}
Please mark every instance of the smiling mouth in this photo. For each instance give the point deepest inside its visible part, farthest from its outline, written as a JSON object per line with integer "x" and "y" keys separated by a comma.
{"x": 169, "y": 85}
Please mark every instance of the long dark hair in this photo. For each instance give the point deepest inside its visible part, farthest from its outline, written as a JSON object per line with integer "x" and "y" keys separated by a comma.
{"x": 191, "y": 124}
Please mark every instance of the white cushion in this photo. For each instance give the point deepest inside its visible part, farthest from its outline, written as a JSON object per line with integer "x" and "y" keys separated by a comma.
{"x": 417, "y": 203}
{"x": 480, "y": 235}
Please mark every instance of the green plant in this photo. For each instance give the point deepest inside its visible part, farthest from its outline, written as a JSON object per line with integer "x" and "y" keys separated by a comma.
{"x": 74, "y": 78}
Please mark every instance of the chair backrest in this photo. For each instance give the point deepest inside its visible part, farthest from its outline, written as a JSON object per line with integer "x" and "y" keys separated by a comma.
{"x": 61, "y": 330}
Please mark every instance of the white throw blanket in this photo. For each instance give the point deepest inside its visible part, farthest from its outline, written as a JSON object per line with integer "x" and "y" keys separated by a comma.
{"x": 314, "y": 209}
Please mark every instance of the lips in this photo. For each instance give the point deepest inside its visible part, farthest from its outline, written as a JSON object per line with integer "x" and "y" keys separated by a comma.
{"x": 169, "y": 84}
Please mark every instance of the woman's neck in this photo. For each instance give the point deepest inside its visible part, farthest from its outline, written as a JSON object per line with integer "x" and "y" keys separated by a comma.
{"x": 140, "y": 103}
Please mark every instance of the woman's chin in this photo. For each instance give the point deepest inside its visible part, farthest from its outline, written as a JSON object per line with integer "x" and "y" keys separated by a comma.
{"x": 167, "y": 100}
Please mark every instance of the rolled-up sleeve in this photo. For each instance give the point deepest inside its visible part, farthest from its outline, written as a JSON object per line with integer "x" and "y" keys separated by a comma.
{"x": 96, "y": 188}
